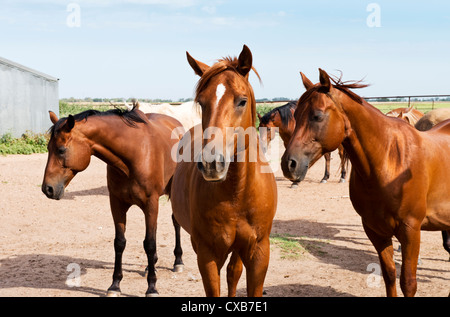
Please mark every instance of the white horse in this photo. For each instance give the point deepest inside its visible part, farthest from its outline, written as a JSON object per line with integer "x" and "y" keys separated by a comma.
{"x": 188, "y": 113}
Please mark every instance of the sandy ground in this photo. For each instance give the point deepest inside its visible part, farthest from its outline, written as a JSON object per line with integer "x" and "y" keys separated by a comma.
{"x": 44, "y": 243}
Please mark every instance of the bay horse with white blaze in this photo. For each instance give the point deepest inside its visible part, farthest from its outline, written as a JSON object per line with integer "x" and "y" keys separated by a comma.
{"x": 137, "y": 150}
{"x": 218, "y": 201}
{"x": 399, "y": 183}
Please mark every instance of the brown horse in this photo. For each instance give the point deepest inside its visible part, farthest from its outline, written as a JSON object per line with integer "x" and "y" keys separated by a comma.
{"x": 409, "y": 115}
{"x": 399, "y": 179}
{"x": 431, "y": 118}
{"x": 217, "y": 198}
{"x": 283, "y": 118}
{"x": 137, "y": 149}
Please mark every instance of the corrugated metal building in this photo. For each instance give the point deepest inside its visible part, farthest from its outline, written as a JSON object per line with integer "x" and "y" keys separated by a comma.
{"x": 26, "y": 96}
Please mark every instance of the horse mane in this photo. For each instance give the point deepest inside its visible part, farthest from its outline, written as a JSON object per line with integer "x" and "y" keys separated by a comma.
{"x": 340, "y": 85}
{"x": 226, "y": 63}
{"x": 129, "y": 117}
{"x": 284, "y": 111}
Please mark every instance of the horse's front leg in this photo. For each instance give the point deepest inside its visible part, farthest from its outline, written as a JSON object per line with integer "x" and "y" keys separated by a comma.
{"x": 209, "y": 265}
{"x": 410, "y": 240}
{"x": 385, "y": 251}
{"x": 256, "y": 266}
{"x": 151, "y": 216}
{"x": 119, "y": 211}
{"x": 234, "y": 271}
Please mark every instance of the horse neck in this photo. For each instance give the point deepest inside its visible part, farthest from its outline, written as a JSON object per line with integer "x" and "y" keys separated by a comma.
{"x": 286, "y": 132}
{"x": 362, "y": 146}
{"x": 104, "y": 134}
{"x": 243, "y": 166}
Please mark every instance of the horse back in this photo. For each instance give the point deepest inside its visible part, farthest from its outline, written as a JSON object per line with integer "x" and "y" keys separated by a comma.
{"x": 163, "y": 120}
{"x": 442, "y": 127}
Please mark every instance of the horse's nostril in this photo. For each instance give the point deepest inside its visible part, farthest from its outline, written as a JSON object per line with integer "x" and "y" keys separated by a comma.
{"x": 48, "y": 190}
{"x": 219, "y": 163}
{"x": 292, "y": 164}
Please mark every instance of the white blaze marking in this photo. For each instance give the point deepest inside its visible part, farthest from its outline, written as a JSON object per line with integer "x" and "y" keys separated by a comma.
{"x": 220, "y": 91}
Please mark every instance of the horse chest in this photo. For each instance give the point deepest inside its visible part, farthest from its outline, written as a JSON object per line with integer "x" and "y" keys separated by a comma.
{"x": 375, "y": 210}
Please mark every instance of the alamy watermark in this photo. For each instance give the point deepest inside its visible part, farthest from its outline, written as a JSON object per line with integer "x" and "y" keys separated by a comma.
{"x": 374, "y": 18}
{"x": 73, "y": 19}
{"x": 374, "y": 278}
{"x": 237, "y": 145}
{"x": 74, "y": 278}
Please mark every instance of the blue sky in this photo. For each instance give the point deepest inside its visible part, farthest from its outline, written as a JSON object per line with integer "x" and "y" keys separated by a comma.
{"x": 136, "y": 48}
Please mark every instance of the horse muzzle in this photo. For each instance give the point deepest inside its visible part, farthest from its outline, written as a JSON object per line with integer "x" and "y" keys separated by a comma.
{"x": 294, "y": 168}
{"x": 214, "y": 170}
{"x": 53, "y": 192}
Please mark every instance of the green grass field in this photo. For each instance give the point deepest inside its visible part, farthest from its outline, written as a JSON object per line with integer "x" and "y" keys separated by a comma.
{"x": 37, "y": 143}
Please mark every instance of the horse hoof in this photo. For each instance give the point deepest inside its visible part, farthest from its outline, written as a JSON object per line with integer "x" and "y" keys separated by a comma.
{"x": 178, "y": 268}
{"x": 113, "y": 294}
{"x": 294, "y": 185}
{"x": 342, "y": 180}
{"x": 323, "y": 181}
{"x": 152, "y": 295}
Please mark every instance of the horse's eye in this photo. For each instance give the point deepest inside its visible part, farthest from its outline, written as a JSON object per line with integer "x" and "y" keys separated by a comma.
{"x": 242, "y": 103}
{"x": 317, "y": 116}
{"x": 62, "y": 150}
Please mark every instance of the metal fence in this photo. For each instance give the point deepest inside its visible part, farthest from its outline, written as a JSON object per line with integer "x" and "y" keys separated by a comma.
{"x": 387, "y": 103}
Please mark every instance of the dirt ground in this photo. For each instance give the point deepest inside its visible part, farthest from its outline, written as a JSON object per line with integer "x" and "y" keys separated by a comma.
{"x": 44, "y": 243}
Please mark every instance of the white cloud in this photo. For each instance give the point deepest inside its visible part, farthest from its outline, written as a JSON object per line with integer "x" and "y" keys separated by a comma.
{"x": 209, "y": 9}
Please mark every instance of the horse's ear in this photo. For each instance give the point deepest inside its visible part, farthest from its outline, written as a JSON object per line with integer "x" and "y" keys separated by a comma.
{"x": 198, "y": 67}
{"x": 306, "y": 82}
{"x": 259, "y": 116}
{"x": 70, "y": 123}
{"x": 53, "y": 117}
{"x": 325, "y": 81}
{"x": 245, "y": 61}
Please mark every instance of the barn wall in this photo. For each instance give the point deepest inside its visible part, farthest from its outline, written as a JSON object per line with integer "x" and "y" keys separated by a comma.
{"x": 25, "y": 99}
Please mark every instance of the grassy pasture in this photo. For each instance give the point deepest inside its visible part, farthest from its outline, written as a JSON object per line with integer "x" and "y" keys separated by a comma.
{"x": 31, "y": 143}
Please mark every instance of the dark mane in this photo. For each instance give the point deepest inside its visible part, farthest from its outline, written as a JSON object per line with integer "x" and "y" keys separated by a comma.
{"x": 129, "y": 117}
{"x": 284, "y": 111}
{"x": 347, "y": 85}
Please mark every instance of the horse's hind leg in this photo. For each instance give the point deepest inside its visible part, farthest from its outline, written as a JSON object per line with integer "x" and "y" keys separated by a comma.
{"x": 326, "y": 176}
{"x": 119, "y": 211}
{"x": 446, "y": 240}
{"x": 178, "y": 266}
{"x": 344, "y": 163}
{"x": 234, "y": 271}
{"x": 151, "y": 215}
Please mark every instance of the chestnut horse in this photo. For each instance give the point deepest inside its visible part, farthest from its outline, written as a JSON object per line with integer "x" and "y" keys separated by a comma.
{"x": 399, "y": 179}
{"x": 217, "y": 199}
{"x": 137, "y": 149}
{"x": 409, "y": 115}
{"x": 283, "y": 118}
